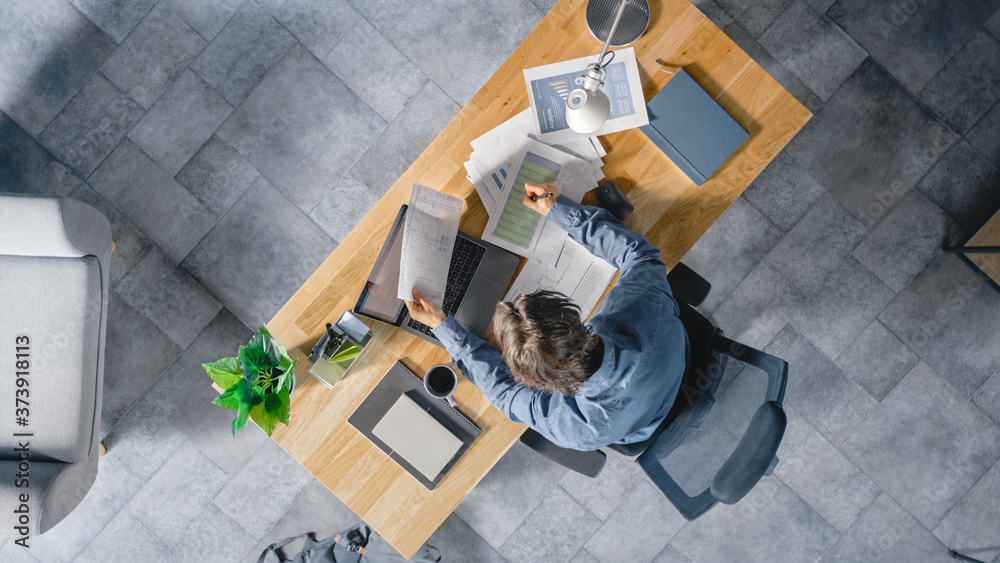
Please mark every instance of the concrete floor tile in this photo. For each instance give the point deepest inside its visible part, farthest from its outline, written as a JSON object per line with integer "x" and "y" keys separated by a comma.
{"x": 159, "y": 49}
{"x": 983, "y": 136}
{"x": 259, "y": 254}
{"x": 896, "y": 34}
{"x": 126, "y": 539}
{"x": 317, "y": 511}
{"x": 302, "y": 128}
{"x": 963, "y": 184}
{"x": 970, "y": 527}
{"x": 817, "y": 245}
{"x": 509, "y": 493}
{"x": 925, "y": 445}
{"x": 180, "y": 122}
{"x": 135, "y": 356}
{"x": 207, "y": 18}
{"x": 759, "y": 308}
{"x": 885, "y": 532}
{"x": 14, "y": 553}
{"x": 730, "y": 249}
{"x": 841, "y": 307}
{"x": 130, "y": 244}
{"x": 242, "y": 53}
{"x": 343, "y": 207}
{"x": 117, "y": 18}
{"x": 947, "y": 315}
{"x": 756, "y": 17}
{"x": 184, "y": 395}
{"x": 383, "y": 14}
{"x": 317, "y": 24}
{"x": 584, "y": 556}
{"x": 968, "y": 85}
{"x": 844, "y": 145}
{"x": 49, "y": 52}
{"x": 169, "y": 297}
{"x": 828, "y": 481}
{"x": 153, "y": 201}
{"x": 27, "y": 166}
{"x": 905, "y": 241}
{"x": 114, "y": 486}
{"x": 270, "y": 474}
{"x": 818, "y": 390}
{"x": 458, "y": 542}
{"x": 603, "y": 494}
{"x": 142, "y": 440}
{"x": 477, "y": 42}
{"x": 405, "y": 138}
{"x": 213, "y": 536}
{"x": 553, "y": 532}
{"x": 987, "y": 398}
{"x": 217, "y": 175}
{"x": 783, "y": 192}
{"x": 877, "y": 360}
{"x": 366, "y": 61}
{"x": 810, "y": 45}
{"x": 671, "y": 555}
{"x": 178, "y": 493}
{"x": 91, "y": 126}
{"x": 643, "y": 513}
{"x": 770, "y": 510}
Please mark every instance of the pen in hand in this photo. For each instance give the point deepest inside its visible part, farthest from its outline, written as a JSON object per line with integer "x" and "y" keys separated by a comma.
{"x": 541, "y": 196}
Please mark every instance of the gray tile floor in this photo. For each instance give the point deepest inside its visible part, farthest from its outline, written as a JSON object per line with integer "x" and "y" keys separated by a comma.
{"x": 234, "y": 143}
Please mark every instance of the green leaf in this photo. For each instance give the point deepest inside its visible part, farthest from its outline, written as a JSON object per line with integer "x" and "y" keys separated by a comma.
{"x": 241, "y": 418}
{"x": 263, "y": 341}
{"x": 229, "y": 398}
{"x": 249, "y": 393}
{"x": 263, "y": 418}
{"x": 252, "y": 360}
{"x": 224, "y": 372}
{"x": 348, "y": 351}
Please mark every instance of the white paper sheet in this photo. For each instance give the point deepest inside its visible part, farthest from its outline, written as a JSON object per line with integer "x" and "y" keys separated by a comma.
{"x": 428, "y": 240}
{"x": 514, "y": 227}
{"x": 550, "y": 85}
{"x": 579, "y": 275}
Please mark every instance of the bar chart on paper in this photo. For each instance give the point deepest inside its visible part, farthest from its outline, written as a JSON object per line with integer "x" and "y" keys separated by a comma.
{"x": 517, "y": 223}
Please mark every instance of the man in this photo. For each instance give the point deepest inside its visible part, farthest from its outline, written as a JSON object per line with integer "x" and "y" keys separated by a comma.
{"x": 582, "y": 386}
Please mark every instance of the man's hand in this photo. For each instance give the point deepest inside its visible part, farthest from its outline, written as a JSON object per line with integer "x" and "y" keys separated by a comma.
{"x": 542, "y": 205}
{"x": 423, "y": 311}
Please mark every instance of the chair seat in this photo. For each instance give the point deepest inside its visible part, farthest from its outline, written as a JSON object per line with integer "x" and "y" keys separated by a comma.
{"x": 56, "y": 304}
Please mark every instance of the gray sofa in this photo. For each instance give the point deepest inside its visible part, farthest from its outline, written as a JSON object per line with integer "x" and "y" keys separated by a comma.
{"x": 55, "y": 255}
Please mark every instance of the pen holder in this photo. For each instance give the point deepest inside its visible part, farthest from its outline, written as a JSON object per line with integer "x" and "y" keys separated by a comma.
{"x": 338, "y": 349}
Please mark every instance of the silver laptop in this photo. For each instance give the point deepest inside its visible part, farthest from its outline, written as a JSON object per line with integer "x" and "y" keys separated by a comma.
{"x": 477, "y": 279}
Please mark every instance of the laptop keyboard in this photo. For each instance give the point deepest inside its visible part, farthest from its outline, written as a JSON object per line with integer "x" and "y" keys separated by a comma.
{"x": 465, "y": 260}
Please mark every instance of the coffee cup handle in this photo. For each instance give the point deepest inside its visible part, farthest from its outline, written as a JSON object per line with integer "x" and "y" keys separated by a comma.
{"x": 451, "y": 401}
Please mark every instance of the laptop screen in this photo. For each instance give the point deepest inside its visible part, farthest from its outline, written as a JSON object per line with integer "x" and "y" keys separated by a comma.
{"x": 378, "y": 298}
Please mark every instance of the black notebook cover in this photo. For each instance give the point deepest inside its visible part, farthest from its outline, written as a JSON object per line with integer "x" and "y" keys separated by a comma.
{"x": 397, "y": 381}
{"x": 692, "y": 128}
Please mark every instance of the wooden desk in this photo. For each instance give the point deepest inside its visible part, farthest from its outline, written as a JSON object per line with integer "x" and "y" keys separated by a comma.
{"x": 980, "y": 249}
{"x": 670, "y": 210}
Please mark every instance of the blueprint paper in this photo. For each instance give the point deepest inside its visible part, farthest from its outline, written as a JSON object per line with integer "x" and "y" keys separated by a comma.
{"x": 550, "y": 85}
{"x": 578, "y": 274}
{"x": 428, "y": 240}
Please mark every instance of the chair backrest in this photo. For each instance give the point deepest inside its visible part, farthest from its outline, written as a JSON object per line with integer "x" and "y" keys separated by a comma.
{"x": 726, "y": 424}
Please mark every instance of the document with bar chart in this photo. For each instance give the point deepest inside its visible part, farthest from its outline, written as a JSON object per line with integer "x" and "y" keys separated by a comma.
{"x": 514, "y": 227}
{"x": 550, "y": 85}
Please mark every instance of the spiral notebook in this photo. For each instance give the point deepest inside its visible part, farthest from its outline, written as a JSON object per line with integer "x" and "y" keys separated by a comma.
{"x": 423, "y": 434}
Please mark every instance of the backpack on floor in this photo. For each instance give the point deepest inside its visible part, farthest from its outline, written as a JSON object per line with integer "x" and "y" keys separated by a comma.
{"x": 356, "y": 545}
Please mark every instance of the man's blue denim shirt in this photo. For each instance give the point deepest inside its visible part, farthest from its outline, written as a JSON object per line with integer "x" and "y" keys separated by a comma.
{"x": 645, "y": 347}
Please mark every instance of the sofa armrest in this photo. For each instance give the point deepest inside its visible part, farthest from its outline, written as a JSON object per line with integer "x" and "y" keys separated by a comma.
{"x": 54, "y": 490}
{"x": 52, "y": 226}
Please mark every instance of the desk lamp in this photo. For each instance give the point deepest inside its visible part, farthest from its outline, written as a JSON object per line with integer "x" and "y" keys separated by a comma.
{"x": 587, "y": 107}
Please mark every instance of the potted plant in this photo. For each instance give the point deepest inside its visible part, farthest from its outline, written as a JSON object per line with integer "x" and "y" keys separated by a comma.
{"x": 256, "y": 383}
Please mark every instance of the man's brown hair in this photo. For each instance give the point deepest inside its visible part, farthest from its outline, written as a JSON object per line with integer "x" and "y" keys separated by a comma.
{"x": 545, "y": 343}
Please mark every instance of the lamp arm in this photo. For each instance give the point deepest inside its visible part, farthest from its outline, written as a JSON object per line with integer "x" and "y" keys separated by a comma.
{"x": 614, "y": 28}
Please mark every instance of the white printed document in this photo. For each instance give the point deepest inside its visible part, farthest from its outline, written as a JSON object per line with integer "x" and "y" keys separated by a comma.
{"x": 521, "y": 230}
{"x": 428, "y": 240}
{"x": 579, "y": 275}
{"x": 550, "y": 85}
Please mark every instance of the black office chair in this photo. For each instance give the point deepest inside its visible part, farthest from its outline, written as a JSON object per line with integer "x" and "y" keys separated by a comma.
{"x": 721, "y": 435}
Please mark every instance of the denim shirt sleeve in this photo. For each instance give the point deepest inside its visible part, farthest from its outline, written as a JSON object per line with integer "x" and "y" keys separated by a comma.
{"x": 609, "y": 239}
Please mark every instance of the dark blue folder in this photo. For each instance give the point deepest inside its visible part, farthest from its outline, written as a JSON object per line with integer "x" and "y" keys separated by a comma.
{"x": 692, "y": 128}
